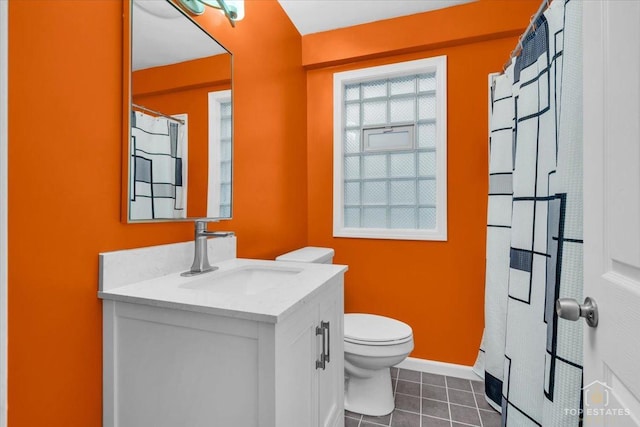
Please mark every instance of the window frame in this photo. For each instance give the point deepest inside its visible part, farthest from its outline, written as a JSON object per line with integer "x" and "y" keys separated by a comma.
{"x": 340, "y": 80}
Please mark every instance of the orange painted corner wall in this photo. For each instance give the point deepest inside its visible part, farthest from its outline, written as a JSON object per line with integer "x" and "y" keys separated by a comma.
{"x": 436, "y": 287}
{"x": 212, "y": 70}
{"x": 65, "y": 147}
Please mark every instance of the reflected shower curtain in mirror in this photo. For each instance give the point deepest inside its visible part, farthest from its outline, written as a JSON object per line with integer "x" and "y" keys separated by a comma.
{"x": 533, "y": 360}
{"x": 158, "y": 167}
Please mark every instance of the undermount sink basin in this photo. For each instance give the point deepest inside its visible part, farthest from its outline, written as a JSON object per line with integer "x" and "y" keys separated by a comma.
{"x": 246, "y": 280}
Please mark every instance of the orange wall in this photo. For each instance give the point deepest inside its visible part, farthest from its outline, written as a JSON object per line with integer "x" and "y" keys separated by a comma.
{"x": 65, "y": 118}
{"x": 436, "y": 287}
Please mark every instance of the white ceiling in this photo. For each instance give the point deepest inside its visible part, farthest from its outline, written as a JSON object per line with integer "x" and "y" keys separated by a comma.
{"x": 162, "y": 35}
{"x": 313, "y": 16}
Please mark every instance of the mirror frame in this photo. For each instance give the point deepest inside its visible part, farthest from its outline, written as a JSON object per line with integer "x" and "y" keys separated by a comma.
{"x": 127, "y": 100}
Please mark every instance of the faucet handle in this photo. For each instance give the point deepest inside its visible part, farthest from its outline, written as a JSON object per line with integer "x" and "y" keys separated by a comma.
{"x": 201, "y": 229}
{"x": 220, "y": 233}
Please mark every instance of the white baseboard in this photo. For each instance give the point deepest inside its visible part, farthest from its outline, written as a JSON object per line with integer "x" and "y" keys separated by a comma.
{"x": 440, "y": 368}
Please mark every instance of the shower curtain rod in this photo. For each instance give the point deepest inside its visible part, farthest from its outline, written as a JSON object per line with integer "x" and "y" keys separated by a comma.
{"x": 532, "y": 26}
{"x": 157, "y": 113}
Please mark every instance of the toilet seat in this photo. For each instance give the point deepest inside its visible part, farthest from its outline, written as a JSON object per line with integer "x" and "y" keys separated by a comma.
{"x": 378, "y": 343}
{"x": 374, "y": 330}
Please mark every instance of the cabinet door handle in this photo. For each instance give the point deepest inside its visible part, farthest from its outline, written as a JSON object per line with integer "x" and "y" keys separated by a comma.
{"x": 320, "y": 330}
{"x": 326, "y": 326}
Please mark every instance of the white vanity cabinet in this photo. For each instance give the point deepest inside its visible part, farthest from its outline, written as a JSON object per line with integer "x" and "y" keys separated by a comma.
{"x": 312, "y": 393}
{"x": 169, "y": 364}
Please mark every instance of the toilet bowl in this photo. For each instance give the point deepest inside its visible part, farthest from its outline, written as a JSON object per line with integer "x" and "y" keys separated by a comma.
{"x": 372, "y": 345}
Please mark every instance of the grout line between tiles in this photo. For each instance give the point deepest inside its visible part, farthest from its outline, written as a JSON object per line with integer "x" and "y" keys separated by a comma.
{"x": 459, "y": 389}
{"x": 446, "y": 383}
{"x": 407, "y": 394}
{"x": 408, "y": 411}
{"x": 475, "y": 399}
{"x": 409, "y": 381}
{"x": 443, "y": 419}
{"x": 375, "y": 423}
{"x": 444, "y": 401}
{"x": 420, "y": 399}
{"x": 413, "y": 395}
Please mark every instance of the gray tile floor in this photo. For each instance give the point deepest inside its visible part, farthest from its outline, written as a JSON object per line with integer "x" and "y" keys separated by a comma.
{"x": 427, "y": 400}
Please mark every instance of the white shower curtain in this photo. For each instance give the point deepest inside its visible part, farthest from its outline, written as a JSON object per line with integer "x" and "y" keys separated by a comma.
{"x": 157, "y": 167}
{"x": 533, "y": 360}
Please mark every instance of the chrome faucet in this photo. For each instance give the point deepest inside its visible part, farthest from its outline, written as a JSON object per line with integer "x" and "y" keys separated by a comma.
{"x": 201, "y": 258}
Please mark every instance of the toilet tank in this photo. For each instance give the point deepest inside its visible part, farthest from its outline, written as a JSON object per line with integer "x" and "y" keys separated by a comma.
{"x": 309, "y": 254}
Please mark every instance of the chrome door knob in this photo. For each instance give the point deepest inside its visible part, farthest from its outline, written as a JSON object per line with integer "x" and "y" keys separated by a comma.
{"x": 570, "y": 309}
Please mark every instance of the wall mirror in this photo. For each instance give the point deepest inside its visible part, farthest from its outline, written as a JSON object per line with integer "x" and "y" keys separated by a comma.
{"x": 178, "y": 118}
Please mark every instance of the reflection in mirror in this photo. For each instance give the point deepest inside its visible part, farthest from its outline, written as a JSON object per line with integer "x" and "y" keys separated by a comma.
{"x": 180, "y": 122}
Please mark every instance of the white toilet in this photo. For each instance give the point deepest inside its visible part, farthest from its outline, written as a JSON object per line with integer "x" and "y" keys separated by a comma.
{"x": 372, "y": 345}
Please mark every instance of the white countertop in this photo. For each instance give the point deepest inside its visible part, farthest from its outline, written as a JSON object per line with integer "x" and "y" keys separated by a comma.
{"x": 270, "y": 305}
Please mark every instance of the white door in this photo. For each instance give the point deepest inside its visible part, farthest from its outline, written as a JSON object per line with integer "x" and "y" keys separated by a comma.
{"x": 611, "y": 36}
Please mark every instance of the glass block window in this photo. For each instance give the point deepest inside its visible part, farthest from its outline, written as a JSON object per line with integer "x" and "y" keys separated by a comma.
{"x": 390, "y": 151}
{"x": 225, "y": 159}
{"x": 219, "y": 192}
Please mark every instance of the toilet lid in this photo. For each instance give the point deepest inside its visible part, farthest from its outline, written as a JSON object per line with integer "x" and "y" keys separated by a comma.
{"x": 374, "y": 329}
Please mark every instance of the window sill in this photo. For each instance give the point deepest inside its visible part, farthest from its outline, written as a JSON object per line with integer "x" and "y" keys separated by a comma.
{"x": 391, "y": 234}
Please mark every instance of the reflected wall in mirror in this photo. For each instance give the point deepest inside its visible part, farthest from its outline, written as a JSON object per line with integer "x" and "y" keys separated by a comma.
{"x": 179, "y": 123}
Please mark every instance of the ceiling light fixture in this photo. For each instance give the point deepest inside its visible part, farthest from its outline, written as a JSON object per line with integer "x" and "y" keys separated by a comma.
{"x": 232, "y": 9}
